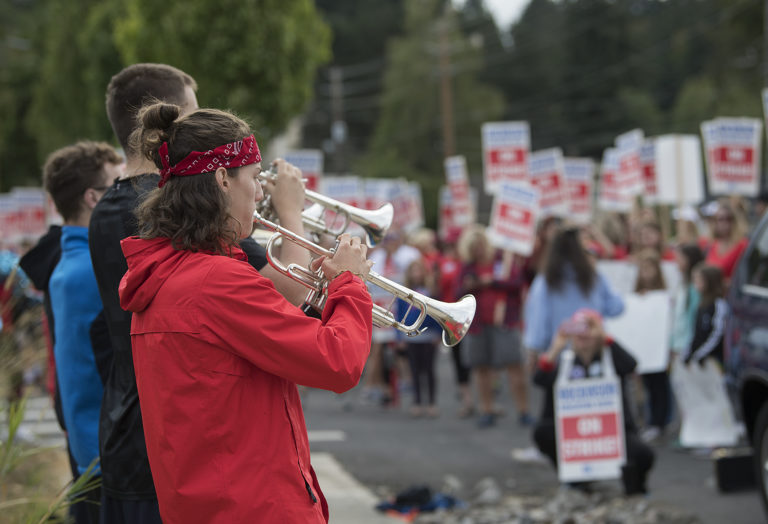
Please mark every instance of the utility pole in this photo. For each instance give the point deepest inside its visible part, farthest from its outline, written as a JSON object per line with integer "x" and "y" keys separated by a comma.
{"x": 446, "y": 91}
{"x": 338, "y": 125}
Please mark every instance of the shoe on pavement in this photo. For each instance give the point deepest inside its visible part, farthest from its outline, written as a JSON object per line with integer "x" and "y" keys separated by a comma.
{"x": 486, "y": 420}
{"x": 525, "y": 420}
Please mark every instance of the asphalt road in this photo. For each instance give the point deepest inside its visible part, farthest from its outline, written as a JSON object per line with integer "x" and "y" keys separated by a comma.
{"x": 388, "y": 451}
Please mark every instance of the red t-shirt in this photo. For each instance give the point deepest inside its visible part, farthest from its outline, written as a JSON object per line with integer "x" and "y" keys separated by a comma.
{"x": 727, "y": 260}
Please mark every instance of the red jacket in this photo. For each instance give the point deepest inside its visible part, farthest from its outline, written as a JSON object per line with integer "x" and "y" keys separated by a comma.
{"x": 218, "y": 353}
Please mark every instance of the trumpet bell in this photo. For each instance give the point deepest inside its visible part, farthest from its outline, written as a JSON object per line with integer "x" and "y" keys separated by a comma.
{"x": 455, "y": 318}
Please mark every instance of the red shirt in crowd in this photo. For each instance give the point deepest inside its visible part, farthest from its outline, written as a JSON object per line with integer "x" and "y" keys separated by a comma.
{"x": 726, "y": 260}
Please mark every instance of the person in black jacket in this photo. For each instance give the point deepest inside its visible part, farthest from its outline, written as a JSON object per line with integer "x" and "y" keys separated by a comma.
{"x": 129, "y": 495}
{"x": 584, "y": 334}
{"x": 709, "y": 325}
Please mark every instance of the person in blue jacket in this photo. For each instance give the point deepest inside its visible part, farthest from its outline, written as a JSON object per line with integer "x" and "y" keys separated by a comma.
{"x": 76, "y": 177}
{"x": 567, "y": 283}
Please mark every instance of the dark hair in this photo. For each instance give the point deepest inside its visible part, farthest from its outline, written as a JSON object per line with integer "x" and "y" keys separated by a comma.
{"x": 137, "y": 85}
{"x": 714, "y": 283}
{"x": 650, "y": 256}
{"x": 694, "y": 255}
{"x": 70, "y": 171}
{"x": 564, "y": 251}
{"x": 190, "y": 210}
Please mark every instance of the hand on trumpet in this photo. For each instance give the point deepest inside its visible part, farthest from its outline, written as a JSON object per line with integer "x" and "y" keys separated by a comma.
{"x": 350, "y": 256}
{"x": 286, "y": 190}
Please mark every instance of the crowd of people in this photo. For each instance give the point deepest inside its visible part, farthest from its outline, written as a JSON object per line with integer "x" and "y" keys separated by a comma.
{"x": 526, "y": 304}
{"x": 161, "y": 308}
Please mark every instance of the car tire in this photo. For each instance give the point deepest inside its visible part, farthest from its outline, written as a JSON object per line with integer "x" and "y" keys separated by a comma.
{"x": 760, "y": 446}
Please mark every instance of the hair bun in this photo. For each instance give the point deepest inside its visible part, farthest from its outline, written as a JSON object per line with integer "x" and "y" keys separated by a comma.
{"x": 159, "y": 116}
{"x": 156, "y": 125}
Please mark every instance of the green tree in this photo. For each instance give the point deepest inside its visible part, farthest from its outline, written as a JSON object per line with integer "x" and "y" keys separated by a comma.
{"x": 19, "y": 26}
{"x": 57, "y": 59}
{"x": 256, "y": 57}
{"x": 77, "y": 60}
{"x": 408, "y": 137}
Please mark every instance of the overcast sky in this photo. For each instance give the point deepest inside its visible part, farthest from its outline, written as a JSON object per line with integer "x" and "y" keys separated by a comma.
{"x": 506, "y": 11}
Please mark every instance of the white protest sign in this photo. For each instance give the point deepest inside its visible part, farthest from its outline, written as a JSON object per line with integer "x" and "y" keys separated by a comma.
{"x": 414, "y": 206}
{"x": 578, "y": 174}
{"x": 506, "y": 146}
{"x": 310, "y": 161}
{"x": 348, "y": 190}
{"x": 648, "y": 170}
{"x": 765, "y": 109}
{"x": 732, "y": 147}
{"x": 630, "y": 176}
{"x": 447, "y": 212}
{"x": 643, "y": 329}
{"x": 589, "y": 423}
{"x": 513, "y": 218}
{"x": 707, "y": 418}
{"x": 679, "y": 175}
{"x": 458, "y": 184}
{"x": 545, "y": 169}
{"x": 612, "y": 196}
{"x": 622, "y": 275}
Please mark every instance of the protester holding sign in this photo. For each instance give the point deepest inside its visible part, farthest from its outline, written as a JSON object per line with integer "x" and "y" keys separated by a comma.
{"x": 583, "y": 334}
{"x": 568, "y": 282}
{"x": 730, "y": 239}
{"x": 493, "y": 342}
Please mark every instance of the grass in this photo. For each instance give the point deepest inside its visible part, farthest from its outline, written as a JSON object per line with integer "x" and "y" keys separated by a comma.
{"x": 35, "y": 482}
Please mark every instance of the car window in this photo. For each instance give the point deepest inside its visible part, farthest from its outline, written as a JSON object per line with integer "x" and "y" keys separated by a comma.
{"x": 757, "y": 263}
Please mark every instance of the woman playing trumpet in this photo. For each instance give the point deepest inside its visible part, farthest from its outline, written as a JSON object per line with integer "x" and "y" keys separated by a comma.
{"x": 217, "y": 351}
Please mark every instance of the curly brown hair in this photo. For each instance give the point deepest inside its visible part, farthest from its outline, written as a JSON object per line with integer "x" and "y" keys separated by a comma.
{"x": 191, "y": 210}
{"x": 70, "y": 171}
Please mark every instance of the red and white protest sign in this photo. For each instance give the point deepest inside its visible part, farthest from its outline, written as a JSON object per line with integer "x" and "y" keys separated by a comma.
{"x": 630, "y": 176}
{"x": 30, "y": 202}
{"x": 506, "y": 146}
{"x": 732, "y": 151}
{"x": 458, "y": 184}
{"x": 612, "y": 196}
{"x": 310, "y": 161}
{"x": 10, "y": 220}
{"x": 545, "y": 169}
{"x": 578, "y": 174}
{"x": 447, "y": 212}
{"x": 345, "y": 189}
{"x": 513, "y": 218}
{"x": 408, "y": 207}
{"x": 589, "y": 422}
{"x": 377, "y": 192}
{"x": 648, "y": 170}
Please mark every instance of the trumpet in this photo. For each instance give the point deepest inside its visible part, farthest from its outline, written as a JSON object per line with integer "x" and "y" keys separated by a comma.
{"x": 375, "y": 222}
{"x": 454, "y": 318}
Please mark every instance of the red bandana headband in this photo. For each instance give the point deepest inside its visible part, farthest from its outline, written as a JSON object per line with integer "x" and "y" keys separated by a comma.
{"x": 235, "y": 154}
